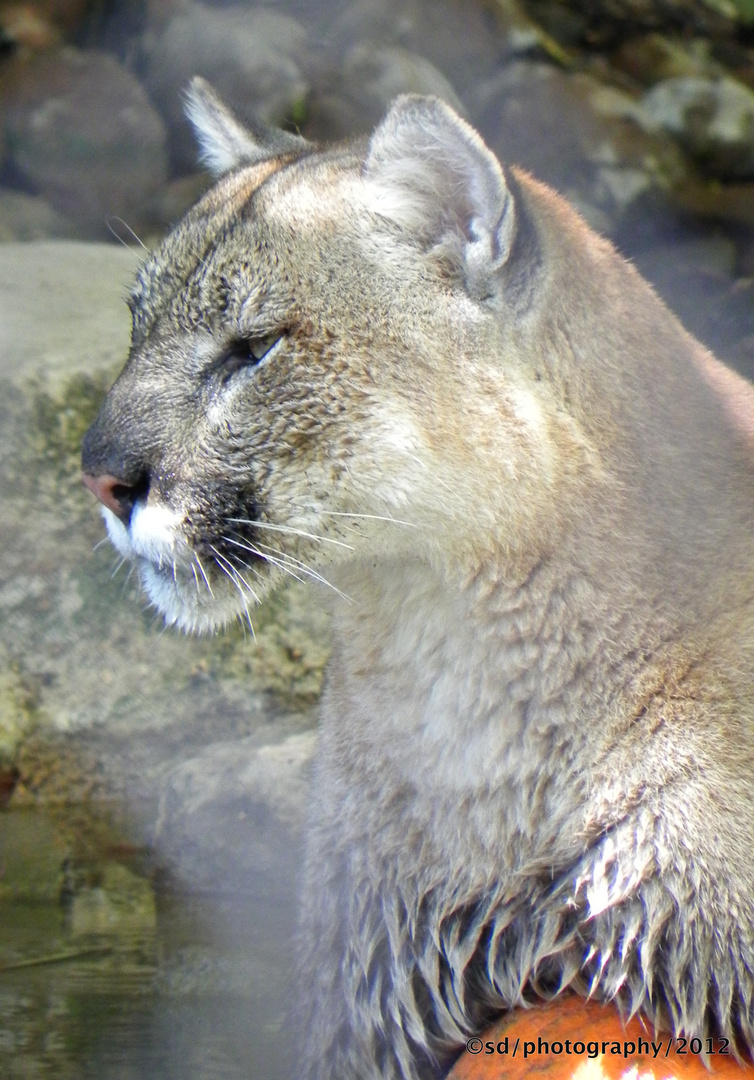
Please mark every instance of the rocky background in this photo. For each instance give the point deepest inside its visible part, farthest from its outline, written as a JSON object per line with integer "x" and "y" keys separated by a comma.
{"x": 640, "y": 111}
{"x": 153, "y": 787}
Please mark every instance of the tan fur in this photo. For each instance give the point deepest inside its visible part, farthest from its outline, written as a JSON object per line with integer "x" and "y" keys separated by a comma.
{"x": 532, "y": 493}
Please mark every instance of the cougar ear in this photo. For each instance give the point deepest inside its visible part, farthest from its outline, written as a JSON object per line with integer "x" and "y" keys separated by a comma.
{"x": 431, "y": 173}
{"x": 225, "y": 141}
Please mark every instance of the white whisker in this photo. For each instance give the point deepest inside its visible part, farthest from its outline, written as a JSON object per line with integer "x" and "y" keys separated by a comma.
{"x": 235, "y": 575}
{"x": 267, "y": 558}
{"x": 206, "y": 579}
{"x": 370, "y": 517}
{"x": 275, "y": 562}
{"x": 283, "y": 561}
{"x": 235, "y": 578}
{"x": 246, "y": 612}
{"x": 112, "y": 221}
{"x": 290, "y": 529}
{"x": 248, "y": 620}
{"x": 303, "y": 567}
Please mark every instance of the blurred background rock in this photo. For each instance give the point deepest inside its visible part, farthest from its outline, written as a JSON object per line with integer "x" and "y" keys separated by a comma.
{"x": 152, "y": 787}
{"x": 640, "y": 111}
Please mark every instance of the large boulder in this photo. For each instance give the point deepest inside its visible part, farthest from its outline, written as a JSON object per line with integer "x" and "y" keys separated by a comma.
{"x": 81, "y": 131}
{"x": 254, "y": 57}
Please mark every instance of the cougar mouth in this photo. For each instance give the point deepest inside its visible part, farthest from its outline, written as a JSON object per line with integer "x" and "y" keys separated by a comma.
{"x": 197, "y": 594}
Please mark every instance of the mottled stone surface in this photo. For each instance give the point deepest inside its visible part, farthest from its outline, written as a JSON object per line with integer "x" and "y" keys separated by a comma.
{"x": 81, "y": 131}
{"x": 712, "y": 118}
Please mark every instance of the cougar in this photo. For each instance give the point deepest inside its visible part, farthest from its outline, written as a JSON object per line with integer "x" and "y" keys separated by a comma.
{"x": 417, "y": 377}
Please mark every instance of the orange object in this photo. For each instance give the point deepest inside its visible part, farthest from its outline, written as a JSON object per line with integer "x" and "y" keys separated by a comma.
{"x": 573, "y": 1039}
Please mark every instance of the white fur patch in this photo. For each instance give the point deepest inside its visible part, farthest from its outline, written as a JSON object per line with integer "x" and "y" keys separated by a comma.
{"x": 399, "y": 432}
{"x": 154, "y": 532}
{"x": 528, "y": 409}
{"x": 399, "y": 438}
{"x": 118, "y": 533}
{"x": 302, "y": 202}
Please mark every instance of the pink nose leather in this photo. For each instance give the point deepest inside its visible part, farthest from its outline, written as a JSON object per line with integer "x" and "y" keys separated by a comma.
{"x": 107, "y": 488}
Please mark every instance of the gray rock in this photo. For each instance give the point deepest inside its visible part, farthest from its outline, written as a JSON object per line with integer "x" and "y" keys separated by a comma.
{"x": 253, "y": 57}
{"x": 81, "y": 130}
{"x": 585, "y": 138}
{"x": 466, "y": 42}
{"x": 231, "y": 817}
{"x": 372, "y": 77}
{"x": 83, "y": 324}
{"x": 382, "y": 74}
{"x": 712, "y": 118}
{"x": 30, "y": 217}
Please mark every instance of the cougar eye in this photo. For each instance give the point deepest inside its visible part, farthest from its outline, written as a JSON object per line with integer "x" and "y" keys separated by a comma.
{"x": 245, "y": 352}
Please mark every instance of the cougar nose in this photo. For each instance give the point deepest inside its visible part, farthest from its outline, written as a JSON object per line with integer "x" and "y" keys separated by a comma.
{"x": 114, "y": 494}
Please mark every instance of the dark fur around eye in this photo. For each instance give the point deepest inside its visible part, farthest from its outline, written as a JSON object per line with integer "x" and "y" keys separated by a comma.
{"x": 243, "y": 353}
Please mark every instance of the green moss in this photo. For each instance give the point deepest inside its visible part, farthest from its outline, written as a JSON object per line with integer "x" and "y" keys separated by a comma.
{"x": 299, "y": 113}
{"x": 59, "y": 422}
{"x": 19, "y": 712}
{"x": 745, "y": 8}
{"x": 33, "y": 854}
{"x": 287, "y": 655}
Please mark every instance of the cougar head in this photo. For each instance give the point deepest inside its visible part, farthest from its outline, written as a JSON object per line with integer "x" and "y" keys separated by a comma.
{"x": 326, "y": 365}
